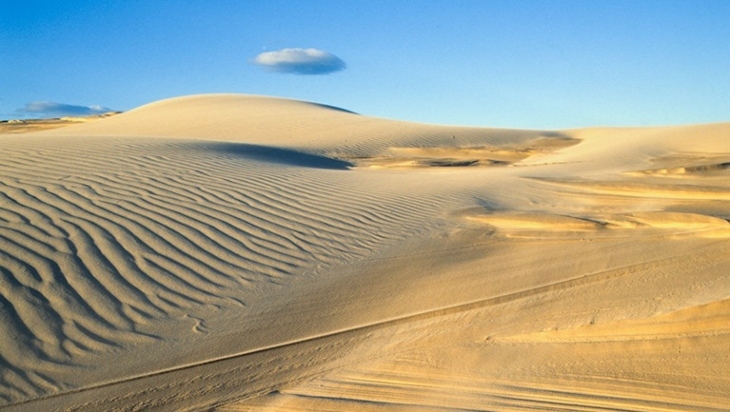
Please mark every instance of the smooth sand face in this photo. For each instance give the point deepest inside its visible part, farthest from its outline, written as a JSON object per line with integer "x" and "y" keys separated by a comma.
{"x": 247, "y": 253}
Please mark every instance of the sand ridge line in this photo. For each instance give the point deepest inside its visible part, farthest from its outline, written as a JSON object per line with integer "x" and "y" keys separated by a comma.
{"x": 303, "y": 126}
{"x": 459, "y": 156}
{"x": 642, "y": 189}
{"x": 655, "y": 223}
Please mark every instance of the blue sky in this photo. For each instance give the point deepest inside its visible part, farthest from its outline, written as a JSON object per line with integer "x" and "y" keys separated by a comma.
{"x": 521, "y": 64}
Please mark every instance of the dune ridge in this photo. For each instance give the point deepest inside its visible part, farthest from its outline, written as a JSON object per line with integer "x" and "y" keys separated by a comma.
{"x": 254, "y": 253}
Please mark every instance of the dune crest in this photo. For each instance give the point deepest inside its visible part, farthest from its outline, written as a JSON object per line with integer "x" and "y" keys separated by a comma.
{"x": 247, "y": 253}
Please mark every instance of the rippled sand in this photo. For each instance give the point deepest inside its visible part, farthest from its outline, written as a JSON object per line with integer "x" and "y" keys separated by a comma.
{"x": 249, "y": 253}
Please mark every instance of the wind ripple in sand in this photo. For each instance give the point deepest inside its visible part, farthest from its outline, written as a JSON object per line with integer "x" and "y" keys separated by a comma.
{"x": 100, "y": 238}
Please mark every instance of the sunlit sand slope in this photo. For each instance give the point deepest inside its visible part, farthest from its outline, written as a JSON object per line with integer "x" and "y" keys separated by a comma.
{"x": 252, "y": 253}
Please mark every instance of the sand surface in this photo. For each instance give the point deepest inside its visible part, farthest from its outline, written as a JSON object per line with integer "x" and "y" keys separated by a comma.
{"x": 246, "y": 253}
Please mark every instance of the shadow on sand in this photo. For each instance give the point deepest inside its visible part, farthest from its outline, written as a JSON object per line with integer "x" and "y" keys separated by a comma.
{"x": 279, "y": 155}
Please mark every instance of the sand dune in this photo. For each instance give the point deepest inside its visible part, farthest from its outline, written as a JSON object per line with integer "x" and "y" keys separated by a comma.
{"x": 253, "y": 253}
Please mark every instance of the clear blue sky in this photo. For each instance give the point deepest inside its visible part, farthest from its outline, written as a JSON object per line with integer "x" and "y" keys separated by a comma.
{"x": 522, "y": 64}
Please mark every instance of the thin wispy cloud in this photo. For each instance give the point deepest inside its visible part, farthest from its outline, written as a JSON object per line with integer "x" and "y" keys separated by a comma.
{"x": 54, "y": 109}
{"x": 300, "y": 61}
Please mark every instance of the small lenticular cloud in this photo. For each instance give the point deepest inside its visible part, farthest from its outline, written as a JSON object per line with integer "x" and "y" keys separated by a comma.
{"x": 300, "y": 61}
{"x": 61, "y": 109}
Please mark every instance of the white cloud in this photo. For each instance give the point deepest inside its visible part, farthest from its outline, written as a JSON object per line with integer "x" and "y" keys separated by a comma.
{"x": 300, "y": 61}
{"x": 60, "y": 109}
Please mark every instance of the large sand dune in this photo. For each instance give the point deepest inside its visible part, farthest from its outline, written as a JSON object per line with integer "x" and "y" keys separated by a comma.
{"x": 249, "y": 253}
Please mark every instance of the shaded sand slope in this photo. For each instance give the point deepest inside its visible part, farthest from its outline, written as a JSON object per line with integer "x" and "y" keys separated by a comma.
{"x": 253, "y": 253}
